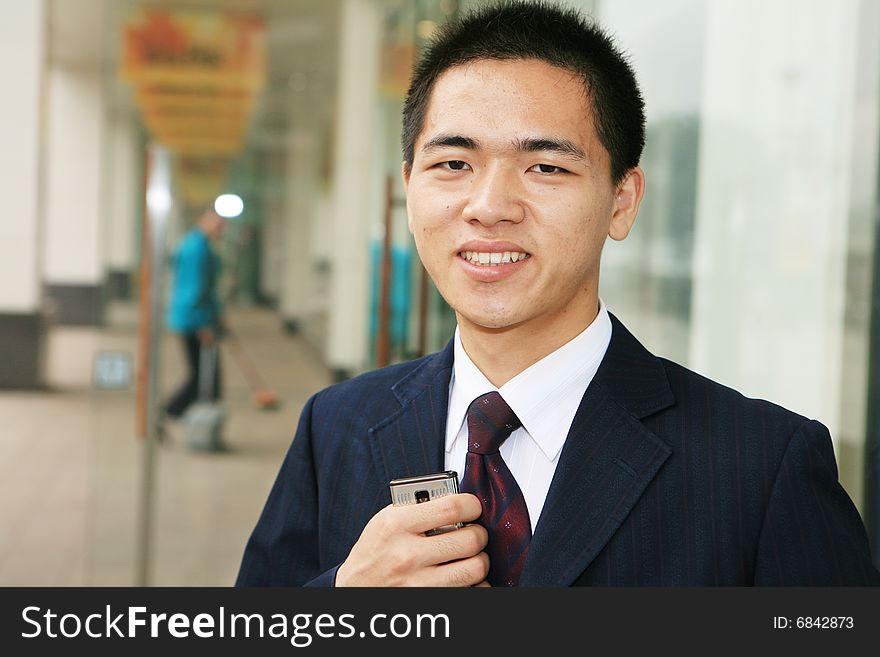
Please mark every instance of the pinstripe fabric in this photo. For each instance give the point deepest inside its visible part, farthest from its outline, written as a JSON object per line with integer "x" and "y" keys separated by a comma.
{"x": 665, "y": 479}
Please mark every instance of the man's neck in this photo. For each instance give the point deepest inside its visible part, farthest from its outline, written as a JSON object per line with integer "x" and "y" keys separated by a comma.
{"x": 501, "y": 354}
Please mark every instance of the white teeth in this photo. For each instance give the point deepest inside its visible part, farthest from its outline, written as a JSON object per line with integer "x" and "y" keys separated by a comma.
{"x": 489, "y": 259}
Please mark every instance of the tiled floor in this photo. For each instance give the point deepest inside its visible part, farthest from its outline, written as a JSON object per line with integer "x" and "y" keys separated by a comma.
{"x": 71, "y": 466}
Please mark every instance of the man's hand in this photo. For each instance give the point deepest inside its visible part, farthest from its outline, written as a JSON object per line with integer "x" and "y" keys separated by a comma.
{"x": 393, "y": 550}
{"x": 207, "y": 336}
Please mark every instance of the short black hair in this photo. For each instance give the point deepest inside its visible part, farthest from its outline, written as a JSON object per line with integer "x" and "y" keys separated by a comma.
{"x": 560, "y": 36}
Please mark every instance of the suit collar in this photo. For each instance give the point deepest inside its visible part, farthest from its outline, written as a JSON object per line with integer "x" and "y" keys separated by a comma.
{"x": 633, "y": 376}
{"x": 425, "y": 375}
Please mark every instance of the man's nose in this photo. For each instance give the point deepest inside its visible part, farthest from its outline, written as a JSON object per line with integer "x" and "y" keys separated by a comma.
{"x": 495, "y": 195}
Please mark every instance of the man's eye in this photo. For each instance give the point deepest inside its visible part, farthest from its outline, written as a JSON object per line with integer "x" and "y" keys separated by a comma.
{"x": 454, "y": 165}
{"x": 547, "y": 168}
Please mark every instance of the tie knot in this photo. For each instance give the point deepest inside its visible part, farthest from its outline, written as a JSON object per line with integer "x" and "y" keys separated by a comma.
{"x": 490, "y": 421}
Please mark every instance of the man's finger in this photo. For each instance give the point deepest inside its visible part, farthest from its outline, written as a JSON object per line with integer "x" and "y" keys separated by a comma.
{"x": 454, "y": 545}
{"x": 465, "y": 572}
{"x": 462, "y": 507}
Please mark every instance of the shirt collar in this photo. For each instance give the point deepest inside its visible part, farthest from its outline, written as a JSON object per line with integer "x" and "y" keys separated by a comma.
{"x": 545, "y": 396}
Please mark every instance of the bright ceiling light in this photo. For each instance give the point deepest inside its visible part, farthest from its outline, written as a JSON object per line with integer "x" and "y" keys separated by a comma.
{"x": 229, "y": 206}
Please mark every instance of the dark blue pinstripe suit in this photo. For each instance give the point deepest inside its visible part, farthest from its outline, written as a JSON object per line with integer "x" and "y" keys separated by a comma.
{"x": 666, "y": 478}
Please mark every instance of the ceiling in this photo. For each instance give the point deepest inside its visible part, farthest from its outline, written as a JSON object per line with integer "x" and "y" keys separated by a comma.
{"x": 301, "y": 40}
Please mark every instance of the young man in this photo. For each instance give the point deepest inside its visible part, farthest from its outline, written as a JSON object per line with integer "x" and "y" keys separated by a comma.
{"x": 592, "y": 461}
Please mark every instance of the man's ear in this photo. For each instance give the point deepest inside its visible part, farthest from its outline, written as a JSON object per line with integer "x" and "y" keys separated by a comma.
{"x": 626, "y": 203}
{"x": 405, "y": 172}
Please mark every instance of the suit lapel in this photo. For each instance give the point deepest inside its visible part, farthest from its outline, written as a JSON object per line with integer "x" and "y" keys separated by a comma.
{"x": 411, "y": 441}
{"x": 608, "y": 460}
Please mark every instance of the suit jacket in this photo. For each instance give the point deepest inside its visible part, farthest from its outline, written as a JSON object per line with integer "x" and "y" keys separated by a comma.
{"x": 666, "y": 479}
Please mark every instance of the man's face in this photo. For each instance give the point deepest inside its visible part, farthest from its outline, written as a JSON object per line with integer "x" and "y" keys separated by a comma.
{"x": 508, "y": 167}
{"x": 213, "y": 225}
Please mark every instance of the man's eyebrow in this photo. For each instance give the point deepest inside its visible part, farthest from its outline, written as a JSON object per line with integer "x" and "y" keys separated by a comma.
{"x": 450, "y": 141}
{"x": 560, "y": 146}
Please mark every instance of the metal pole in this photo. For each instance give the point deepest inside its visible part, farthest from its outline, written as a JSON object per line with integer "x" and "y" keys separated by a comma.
{"x": 158, "y": 210}
{"x": 872, "y": 438}
{"x": 383, "y": 340}
{"x": 145, "y": 276}
{"x": 423, "y": 312}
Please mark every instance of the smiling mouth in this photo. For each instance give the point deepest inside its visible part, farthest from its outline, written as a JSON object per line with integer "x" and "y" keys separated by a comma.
{"x": 487, "y": 259}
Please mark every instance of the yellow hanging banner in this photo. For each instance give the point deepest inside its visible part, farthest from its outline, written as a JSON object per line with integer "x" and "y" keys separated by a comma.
{"x": 197, "y": 75}
{"x": 214, "y": 50}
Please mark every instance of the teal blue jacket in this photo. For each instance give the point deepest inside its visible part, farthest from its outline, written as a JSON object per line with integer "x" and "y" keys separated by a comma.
{"x": 194, "y": 302}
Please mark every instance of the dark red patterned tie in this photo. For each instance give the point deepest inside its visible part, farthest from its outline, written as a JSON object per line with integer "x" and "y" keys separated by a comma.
{"x": 505, "y": 515}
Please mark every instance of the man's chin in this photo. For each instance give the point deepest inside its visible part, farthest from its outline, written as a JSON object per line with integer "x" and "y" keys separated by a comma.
{"x": 487, "y": 322}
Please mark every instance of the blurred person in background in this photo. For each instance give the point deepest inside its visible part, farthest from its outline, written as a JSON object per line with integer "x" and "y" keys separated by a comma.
{"x": 194, "y": 310}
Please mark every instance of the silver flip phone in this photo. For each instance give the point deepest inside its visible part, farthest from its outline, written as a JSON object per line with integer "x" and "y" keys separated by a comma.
{"x": 415, "y": 490}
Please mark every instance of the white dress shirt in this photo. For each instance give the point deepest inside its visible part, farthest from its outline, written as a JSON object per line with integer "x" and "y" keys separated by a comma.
{"x": 545, "y": 397}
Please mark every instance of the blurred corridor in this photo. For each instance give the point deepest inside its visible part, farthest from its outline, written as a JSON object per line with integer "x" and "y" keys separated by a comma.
{"x": 69, "y": 460}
